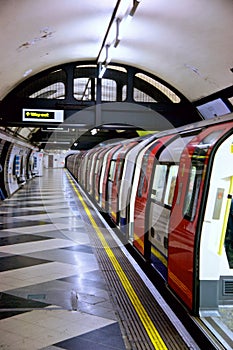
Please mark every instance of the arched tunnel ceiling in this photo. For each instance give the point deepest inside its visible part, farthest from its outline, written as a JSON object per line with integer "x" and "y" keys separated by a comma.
{"x": 186, "y": 43}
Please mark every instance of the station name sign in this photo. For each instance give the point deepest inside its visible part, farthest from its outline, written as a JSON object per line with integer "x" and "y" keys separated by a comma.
{"x": 45, "y": 115}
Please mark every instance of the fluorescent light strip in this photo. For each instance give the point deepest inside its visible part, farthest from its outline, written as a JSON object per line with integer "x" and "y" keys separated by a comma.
{"x": 124, "y": 14}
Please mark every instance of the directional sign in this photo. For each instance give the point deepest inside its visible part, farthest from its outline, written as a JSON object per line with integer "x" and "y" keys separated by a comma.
{"x": 45, "y": 115}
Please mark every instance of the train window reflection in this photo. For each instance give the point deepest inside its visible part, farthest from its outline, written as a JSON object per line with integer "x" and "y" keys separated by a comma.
{"x": 171, "y": 182}
{"x": 190, "y": 193}
{"x": 212, "y": 137}
{"x": 111, "y": 171}
{"x": 97, "y": 166}
{"x": 158, "y": 182}
{"x": 143, "y": 179}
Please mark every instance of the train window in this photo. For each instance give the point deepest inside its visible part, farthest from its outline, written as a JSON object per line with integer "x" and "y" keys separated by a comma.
{"x": 88, "y": 165}
{"x": 212, "y": 137}
{"x": 142, "y": 186}
{"x": 119, "y": 171}
{"x": 173, "y": 151}
{"x": 96, "y": 166}
{"x": 191, "y": 197}
{"x": 189, "y": 193}
{"x": 196, "y": 174}
{"x": 158, "y": 182}
{"x": 171, "y": 182}
{"x": 111, "y": 170}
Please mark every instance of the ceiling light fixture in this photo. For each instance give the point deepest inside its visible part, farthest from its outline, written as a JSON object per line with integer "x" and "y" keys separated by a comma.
{"x": 29, "y": 71}
{"x": 102, "y": 70}
{"x": 118, "y": 39}
{"x": 134, "y": 7}
{"x": 94, "y": 131}
{"x": 122, "y": 15}
{"x": 108, "y": 56}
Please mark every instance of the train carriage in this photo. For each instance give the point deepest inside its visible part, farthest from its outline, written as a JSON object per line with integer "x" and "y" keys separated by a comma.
{"x": 140, "y": 224}
{"x": 89, "y": 169}
{"x": 197, "y": 261}
{"x": 117, "y": 171}
{"x": 83, "y": 158}
{"x": 126, "y": 184}
{"x": 159, "y": 200}
{"x": 97, "y": 176}
{"x": 105, "y": 177}
{"x": 173, "y": 195}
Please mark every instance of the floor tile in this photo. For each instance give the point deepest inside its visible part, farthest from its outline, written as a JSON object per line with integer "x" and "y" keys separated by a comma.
{"x": 15, "y": 239}
{"x": 23, "y": 212}
{"x": 11, "y": 305}
{"x": 104, "y": 338}
{"x": 45, "y": 258}
{"x": 17, "y": 224}
{"x": 78, "y": 258}
{"x": 41, "y": 328}
{"x": 80, "y": 248}
{"x": 17, "y": 262}
{"x": 28, "y": 247}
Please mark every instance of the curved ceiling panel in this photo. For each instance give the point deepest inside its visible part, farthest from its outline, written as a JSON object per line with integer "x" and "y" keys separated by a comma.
{"x": 186, "y": 43}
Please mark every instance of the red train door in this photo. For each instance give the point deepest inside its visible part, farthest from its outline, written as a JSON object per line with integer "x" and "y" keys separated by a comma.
{"x": 99, "y": 164}
{"x": 187, "y": 215}
{"x": 108, "y": 178}
{"x": 142, "y": 192}
{"x": 119, "y": 164}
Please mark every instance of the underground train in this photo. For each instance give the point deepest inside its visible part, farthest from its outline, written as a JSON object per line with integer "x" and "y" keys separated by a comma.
{"x": 169, "y": 194}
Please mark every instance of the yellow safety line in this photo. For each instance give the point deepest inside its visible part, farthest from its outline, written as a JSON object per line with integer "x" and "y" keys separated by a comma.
{"x": 225, "y": 220}
{"x": 143, "y": 315}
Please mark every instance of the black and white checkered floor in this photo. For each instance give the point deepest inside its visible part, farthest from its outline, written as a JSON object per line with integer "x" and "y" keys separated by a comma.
{"x": 47, "y": 269}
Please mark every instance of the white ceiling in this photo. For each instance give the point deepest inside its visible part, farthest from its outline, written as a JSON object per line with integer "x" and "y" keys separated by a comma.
{"x": 186, "y": 43}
